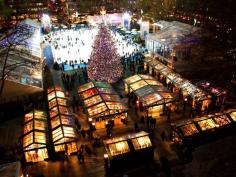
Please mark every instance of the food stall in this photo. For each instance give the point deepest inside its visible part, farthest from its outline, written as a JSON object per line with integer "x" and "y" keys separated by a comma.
{"x": 103, "y": 104}
{"x": 150, "y": 94}
{"x": 35, "y": 136}
{"x": 124, "y": 150}
{"x": 61, "y": 121}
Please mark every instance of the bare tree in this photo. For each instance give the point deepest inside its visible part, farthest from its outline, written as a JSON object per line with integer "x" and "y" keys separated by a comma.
{"x": 14, "y": 45}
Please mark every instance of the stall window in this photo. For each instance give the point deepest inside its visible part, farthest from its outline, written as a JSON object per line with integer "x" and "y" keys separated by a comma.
{"x": 69, "y": 132}
{"x": 119, "y": 148}
{"x": 55, "y": 122}
{"x": 138, "y": 85}
{"x": 57, "y": 134}
{"x": 101, "y": 107}
{"x": 65, "y": 120}
{"x": 60, "y": 94}
{"x": 64, "y": 110}
{"x": 51, "y": 95}
{"x": 222, "y": 120}
{"x": 110, "y": 97}
{"x": 39, "y": 115}
{"x": 28, "y": 139}
{"x": 61, "y": 101}
{"x": 28, "y": 127}
{"x": 53, "y": 112}
{"x": 133, "y": 79}
{"x": 40, "y": 137}
{"x": 86, "y": 87}
{"x": 105, "y": 90}
{"x": 115, "y": 105}
{"x": 141, "y": 142}
{"x": 28, "y": 117}
{"x": 52, "y": 103}
{"x": 206, "y": 124}
{"x": 39, "y": 125}
{"x": 92, "y": 101}
{"x": 88, "y": 93}
{"x": 189, "y": 129}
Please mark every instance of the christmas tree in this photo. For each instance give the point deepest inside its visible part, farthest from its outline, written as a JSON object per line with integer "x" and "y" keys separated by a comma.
{"x": 104, "y": 64}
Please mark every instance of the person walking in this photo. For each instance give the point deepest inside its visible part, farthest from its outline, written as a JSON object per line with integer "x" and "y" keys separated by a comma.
{"x": 163, "y": 136}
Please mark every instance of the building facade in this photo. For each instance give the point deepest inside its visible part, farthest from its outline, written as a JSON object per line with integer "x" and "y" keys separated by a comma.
{"x": 22, "y": 9}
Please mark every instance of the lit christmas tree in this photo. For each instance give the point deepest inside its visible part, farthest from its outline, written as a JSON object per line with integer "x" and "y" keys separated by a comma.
{"x": 104, "y": 64}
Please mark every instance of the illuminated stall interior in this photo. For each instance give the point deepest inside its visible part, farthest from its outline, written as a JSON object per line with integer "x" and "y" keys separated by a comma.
{"x": 119, "y": 147}
{"x": 35, "y": 139}
{"x": 150, "y": 94}
{"x": 218, "y": 93}
{"x": 197, "y": 95}
{"x": 102, "y": 104}
{"x": 201, "y": 128}
{"x": 177, "y": 84}
{"x": 61, "y": 121}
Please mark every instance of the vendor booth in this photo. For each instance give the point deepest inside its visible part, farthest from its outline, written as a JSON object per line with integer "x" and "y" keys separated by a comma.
{"x": 125, "y": 150}
{"x": 102, "y": 104}
{"x": 204, "y": 129}
{"x": 198, "y": 98}
{"x": 35, "y": 139}
{"x": 175, "y": 83}
{"x": 149, "y": 94}
{"x": 218, "y": 94}
{"x": 61, "y": 121}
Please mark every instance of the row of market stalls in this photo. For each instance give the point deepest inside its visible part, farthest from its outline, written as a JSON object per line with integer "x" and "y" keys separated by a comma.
{"x": 102, "y": 104}
{"x": 61, "y": 121}
{"x": 124, "y": 150}
{"x": 36, "y": 140}
{"x": 177, "y": 84}
{"x": 149, "y": 94}
{"x": 203, "y": 129}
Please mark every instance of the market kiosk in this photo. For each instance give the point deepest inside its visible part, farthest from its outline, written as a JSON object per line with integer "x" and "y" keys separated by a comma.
{"x": 218, "y": 94}
{"x": 196, "y": 95}
{"x": 61, "y": 121}
{"x": 125, "y": 150}
{"x": 102, "y": 104}
{"x": 204, "y": 129}
{"x": 35, "y": 136}
{"x": 149, "y": 94}
{"x": 153, "y": 67}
